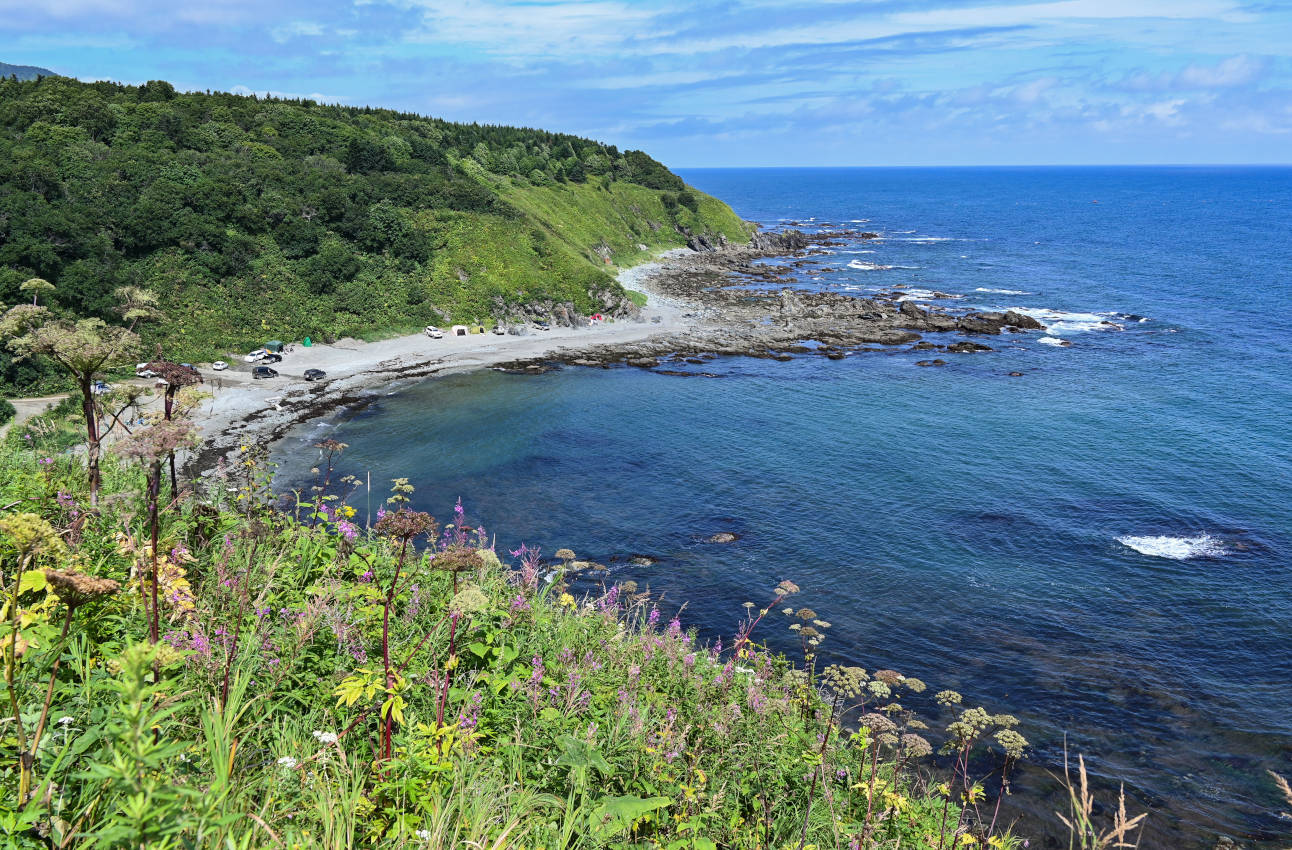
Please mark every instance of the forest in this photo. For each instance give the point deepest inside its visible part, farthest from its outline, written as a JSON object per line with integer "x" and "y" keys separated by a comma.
{"x": 256, "y": 216}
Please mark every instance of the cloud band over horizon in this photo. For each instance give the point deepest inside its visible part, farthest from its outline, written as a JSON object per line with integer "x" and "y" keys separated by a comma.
{"x": 752, "y": 82}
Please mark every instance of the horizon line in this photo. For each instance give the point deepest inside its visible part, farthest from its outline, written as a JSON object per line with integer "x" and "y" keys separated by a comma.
{"x": 995, "y": 165}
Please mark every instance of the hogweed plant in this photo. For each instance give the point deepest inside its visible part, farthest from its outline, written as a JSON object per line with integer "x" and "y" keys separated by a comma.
{"x": 320, "y": 684}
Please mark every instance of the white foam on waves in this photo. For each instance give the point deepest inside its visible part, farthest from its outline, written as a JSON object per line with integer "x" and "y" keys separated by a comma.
{"x": 867, "y": 267}
{"x": 917, "y": 295}
{"x": 1003, "y": 291}
{"x": 1050, "y": 340}
{"x": 1062, "y": 321}
{"x": 1176, "y": 548}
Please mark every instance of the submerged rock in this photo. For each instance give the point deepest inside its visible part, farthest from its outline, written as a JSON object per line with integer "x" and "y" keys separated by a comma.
{"x": 723, "y": 537}
{"x": 967, "y": 347}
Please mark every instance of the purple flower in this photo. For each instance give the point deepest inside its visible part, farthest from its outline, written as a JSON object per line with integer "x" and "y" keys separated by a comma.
{"x": 348, "y": 529}
{"x": 654, "y": 616}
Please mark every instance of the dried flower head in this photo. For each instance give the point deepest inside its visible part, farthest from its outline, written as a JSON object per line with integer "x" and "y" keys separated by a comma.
{"x": 915, "y": 686}
{"x": 1005, "y": 721}
{"x": 175, "y": 375}
{"x": 948, "y": 698}
{"x": 629, "y": 586}
{"x": 404, "y": 524}
{"x": 77, "y": 588}
{"x": 457, "y": 559}
{"x": 889, "y": 677}
{"x": 158, "y": 440}
{"x": 786, "y": 588}
{"x": 915, "y": 746}
{"x": 877, "y": 723}
{"x": 329, "y": 445}
{"x": 565, "y": 554}
{"x": 805, "y": 614}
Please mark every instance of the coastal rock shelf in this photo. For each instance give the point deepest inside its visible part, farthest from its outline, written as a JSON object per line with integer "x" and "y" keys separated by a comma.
{"x": 783, "y": 323}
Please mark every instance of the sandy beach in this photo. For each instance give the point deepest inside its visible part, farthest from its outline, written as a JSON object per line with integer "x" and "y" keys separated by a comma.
{"x": 243, "y": 410}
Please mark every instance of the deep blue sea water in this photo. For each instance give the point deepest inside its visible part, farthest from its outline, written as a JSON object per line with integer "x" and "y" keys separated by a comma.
{"x": 1102, "y": 546}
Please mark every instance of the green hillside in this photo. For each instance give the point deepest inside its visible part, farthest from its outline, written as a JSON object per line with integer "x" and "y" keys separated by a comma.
{"x": 255, "y": 217}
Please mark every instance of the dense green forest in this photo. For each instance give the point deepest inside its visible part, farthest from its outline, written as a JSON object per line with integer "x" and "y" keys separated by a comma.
{"x": 257, "y": 217}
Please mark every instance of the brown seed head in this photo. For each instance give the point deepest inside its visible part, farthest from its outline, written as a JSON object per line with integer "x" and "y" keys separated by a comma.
{"x": 77, "y": 588}
{"x": 404, "y": 524}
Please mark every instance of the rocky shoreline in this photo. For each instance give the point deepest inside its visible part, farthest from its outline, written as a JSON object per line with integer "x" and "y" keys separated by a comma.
{"x": 739, "y": 311}
{"x": 718, "y": 299}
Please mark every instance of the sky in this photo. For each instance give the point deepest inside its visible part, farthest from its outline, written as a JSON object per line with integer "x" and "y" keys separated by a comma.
{"x": 740, "y": 82}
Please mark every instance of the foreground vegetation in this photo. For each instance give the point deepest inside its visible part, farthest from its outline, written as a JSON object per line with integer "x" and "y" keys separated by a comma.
{"x": 253, "y": 218}
{"x": 283, "y": 677}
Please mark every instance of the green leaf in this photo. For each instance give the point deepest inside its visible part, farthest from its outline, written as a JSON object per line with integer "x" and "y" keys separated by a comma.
{"x": 580, "y": 755}
{"x": 32, "y": 581}
{"x": 615, "y": 814}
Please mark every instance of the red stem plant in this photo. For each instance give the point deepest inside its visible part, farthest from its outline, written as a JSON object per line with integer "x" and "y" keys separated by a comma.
{"x": 402, "y": 525}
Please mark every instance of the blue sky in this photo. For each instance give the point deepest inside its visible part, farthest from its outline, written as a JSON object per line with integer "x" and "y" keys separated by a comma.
{"x": 736, "y": 83}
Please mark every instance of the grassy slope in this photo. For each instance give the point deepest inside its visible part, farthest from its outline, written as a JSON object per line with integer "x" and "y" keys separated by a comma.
{"x": 621, "y": 216}
{"x": 548, "y": 254}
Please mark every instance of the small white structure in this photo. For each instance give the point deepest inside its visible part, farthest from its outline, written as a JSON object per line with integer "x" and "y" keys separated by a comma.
{"x": 460, "y": 330}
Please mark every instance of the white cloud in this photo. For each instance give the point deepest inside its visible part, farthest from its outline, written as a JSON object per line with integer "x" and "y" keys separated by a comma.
{"x": 321, "y": 98}
{"x": 1234, "y": 71}
{"x": 527, "y": 29}
{"x": 296, "y": 29}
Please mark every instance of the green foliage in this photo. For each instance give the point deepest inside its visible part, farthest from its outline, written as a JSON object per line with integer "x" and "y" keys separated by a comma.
{"x": 519, "y": 714}
{"x": 6, "y": 411}
{"x": 257, "y": 217}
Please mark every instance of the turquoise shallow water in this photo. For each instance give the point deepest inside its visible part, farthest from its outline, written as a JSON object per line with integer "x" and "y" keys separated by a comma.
{"x": 1102, "y": 546}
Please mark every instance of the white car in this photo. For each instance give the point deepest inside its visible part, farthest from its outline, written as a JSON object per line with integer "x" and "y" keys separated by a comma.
{"x": 219, "y": 365}
{"x": 142, "y": 371}
{"x": 256, "y": 355}
{"x": 434, "y": 332}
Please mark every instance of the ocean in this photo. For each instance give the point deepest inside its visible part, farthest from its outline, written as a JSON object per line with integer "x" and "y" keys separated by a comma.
{"x": 1102, "y": 546}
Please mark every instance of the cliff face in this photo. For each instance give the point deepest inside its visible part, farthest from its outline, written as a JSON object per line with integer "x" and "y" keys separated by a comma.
{"x": 290, "y": 218}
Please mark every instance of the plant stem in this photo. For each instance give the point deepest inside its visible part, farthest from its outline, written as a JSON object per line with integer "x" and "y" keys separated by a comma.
{"x": 448, "y": 677}
{"x": 49, "y": 691}
{"x": 820, "y": 768}
{"x": 10, "y": 670}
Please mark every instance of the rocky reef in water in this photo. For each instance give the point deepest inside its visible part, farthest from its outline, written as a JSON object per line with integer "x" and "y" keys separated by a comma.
{"x": 741, "y": 311}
